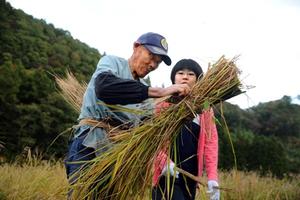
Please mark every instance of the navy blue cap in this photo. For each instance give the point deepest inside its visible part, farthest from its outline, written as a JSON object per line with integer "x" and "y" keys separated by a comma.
{"x": 156, "y": 44}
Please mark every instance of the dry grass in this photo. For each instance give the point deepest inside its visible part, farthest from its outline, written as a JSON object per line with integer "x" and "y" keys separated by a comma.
{"x": 252, "y": 186}
{"x": 44, "y": 181}
{"x": 47, "y": 181}
{"x": 72, "y": 90}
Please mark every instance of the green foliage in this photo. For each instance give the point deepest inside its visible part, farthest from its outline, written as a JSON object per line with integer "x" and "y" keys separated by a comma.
{"x": 237, "y": 118}
{"x": 32, "y": 113}
{"x": 280, "y": 118}
{"x": 39, "y": 45}
{"x": 292, "y": 146}
{"x": 256, "y": 153}
{"x": 9, "y": 88}
{"x": 256, "y": 150}
{"x": 268, "y": 155}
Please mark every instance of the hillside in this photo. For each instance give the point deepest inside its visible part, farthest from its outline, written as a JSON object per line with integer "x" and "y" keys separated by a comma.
{"x": 31, "y": 51}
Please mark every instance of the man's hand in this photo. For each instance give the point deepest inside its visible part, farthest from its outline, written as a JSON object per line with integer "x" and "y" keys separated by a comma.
{"x": 214, "y": 193}
{"x": 178, "y": 89}
{"x": 169, "y": 168}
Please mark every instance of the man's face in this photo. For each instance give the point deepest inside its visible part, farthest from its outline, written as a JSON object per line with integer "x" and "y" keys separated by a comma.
{"x": 144, "y": 61}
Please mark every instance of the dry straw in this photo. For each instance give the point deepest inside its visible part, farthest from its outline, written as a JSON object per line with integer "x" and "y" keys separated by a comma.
{"x": 125, "y": 170}
{"x": 72, "y": 90}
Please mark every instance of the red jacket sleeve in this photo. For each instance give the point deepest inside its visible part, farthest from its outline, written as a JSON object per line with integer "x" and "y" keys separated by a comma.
{"x": 159, "y": 163}
{"x": 208, "y": 146}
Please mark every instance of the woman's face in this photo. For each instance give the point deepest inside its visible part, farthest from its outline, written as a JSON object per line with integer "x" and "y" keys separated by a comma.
{"x": 185, "y": 76}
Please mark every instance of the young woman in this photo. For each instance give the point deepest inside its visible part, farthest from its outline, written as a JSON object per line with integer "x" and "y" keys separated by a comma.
{"x": 196, "y": 146}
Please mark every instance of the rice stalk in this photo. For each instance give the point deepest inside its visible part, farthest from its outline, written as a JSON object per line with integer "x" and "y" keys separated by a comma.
{"x": 125, "y": 170}
{"x": 71, "y": 90}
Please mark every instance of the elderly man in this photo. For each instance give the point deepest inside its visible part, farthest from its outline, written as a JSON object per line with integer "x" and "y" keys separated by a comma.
{"x": 118, "y": 81}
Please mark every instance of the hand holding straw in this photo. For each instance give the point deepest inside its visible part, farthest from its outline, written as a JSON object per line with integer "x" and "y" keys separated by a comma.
{"x": 198, "y": 179}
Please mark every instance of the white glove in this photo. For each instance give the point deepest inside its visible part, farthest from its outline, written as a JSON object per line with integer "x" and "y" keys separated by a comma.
{"x": 214, "y": 193}
{"x": 169, "y": 168}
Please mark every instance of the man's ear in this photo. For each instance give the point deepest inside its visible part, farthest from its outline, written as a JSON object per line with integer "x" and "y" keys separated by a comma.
{"x": 136, "y": 44}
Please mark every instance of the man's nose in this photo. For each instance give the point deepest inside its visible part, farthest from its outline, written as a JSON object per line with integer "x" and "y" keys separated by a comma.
{"x": 153, "y": 66}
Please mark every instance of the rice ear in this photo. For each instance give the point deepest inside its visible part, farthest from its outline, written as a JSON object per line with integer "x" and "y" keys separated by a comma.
{"x": 71, "y": 90}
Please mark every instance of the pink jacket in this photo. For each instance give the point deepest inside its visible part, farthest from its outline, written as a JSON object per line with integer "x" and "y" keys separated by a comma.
{"x": 207, "y": 152}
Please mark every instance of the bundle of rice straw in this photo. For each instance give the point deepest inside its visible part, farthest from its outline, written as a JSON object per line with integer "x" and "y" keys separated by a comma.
{"x": 125, "y": 170}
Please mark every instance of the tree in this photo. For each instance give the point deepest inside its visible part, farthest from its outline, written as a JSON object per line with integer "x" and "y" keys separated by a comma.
{"x": 9, "y": 88}
{"x": 280, "y": 118}
{"x": 268, "y": 155}
{"x": 32, "y": 113}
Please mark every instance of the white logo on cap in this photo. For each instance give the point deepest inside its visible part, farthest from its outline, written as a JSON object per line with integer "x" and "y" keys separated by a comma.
{"x": 164, "y": 44}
